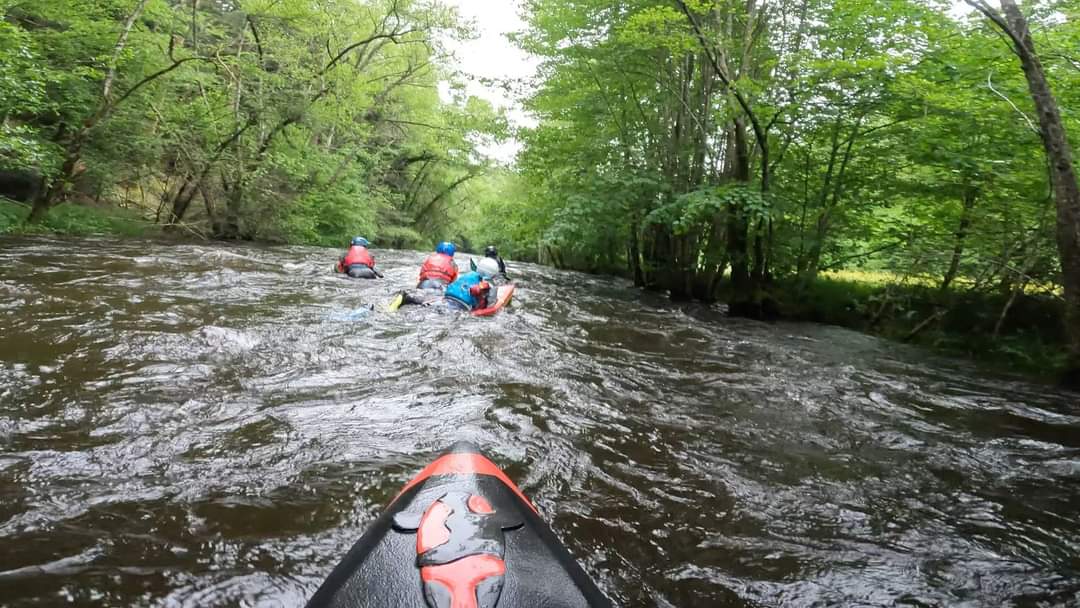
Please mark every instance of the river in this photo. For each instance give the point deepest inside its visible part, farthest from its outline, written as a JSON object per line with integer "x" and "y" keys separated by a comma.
{"x": 206, "y": 425}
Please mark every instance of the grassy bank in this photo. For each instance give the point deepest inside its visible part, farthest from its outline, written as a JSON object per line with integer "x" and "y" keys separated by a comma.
{"x": 969, "y": 324}
{"x": 74, "y": 219}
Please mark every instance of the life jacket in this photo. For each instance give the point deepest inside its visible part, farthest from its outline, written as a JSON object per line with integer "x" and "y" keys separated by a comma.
{"x": 357, "y": 255}
{"x": 461, "y": 290}
{"x": 439, "y": 267}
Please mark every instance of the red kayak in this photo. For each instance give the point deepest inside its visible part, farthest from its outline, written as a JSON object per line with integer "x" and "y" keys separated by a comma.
{"x": 459, "y": 535}
{"x": 504, "y": 295}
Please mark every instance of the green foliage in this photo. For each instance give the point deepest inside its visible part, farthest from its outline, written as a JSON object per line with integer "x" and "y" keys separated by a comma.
{"x": 80, "y": 220}
{"x": 898, "y": 143}
{"x": 697, "y": 209}
{"x": 11, "y": 216}
{"x": 295, "y": 120}
{"x": 23, "y": 91}
{"x": 76, "y": 220}
{"x": 329, "y": 218}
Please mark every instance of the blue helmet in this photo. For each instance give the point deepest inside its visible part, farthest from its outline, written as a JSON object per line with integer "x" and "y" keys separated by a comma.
{"x": 446, "y": 248}
{"x": 359, "y": 241}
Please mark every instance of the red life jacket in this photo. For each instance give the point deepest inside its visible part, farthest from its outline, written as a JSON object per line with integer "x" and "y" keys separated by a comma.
{"x": 439, "y": 267}
{"x": 357, "y": 255}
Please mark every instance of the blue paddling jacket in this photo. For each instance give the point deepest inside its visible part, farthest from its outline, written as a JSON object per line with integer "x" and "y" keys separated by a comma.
{"x": 470, "y": 290}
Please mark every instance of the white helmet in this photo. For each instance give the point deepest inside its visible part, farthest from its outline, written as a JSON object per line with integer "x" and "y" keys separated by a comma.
{"x": 487, "y": 268}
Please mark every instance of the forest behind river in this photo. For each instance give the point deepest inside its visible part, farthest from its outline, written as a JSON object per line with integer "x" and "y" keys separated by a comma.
{"x": 901, "y": 167}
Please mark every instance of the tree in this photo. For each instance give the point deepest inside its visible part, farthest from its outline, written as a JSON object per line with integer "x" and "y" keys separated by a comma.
{"x": 1014, "y": 24}
{"x": 739, "y": 148}
{"x": 283, "y": 120}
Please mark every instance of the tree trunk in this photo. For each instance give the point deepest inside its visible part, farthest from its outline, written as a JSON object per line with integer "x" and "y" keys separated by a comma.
{"x": 229, "y": 228}
{"x": 207, "y": 204}
{"x": 743, "y": 298}
{"x": 180, "y": 202}
{"x": 758, "y": 272}
{"x": 970, "y": 196}
{"x": 634, "y": 254}
{"x": 58, "y": 188}
{"x": 812, "y": 260}
{"x": 1016, "y": 292}
{"x": 715, "y": 260}
{"x": 1062, "y": 172}
{"x": 38, "y": 211}
{"x": 192, "y": 183}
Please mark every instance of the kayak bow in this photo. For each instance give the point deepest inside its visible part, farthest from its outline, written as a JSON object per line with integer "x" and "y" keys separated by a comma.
{"x": 459, "y": 535}
{"x": 504, "y": 294}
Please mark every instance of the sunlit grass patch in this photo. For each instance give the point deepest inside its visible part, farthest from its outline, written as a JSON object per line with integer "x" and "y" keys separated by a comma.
{"x": 877, "y": 278}
{"x": 75, "y": 220}
{"x": 962, "y": 321}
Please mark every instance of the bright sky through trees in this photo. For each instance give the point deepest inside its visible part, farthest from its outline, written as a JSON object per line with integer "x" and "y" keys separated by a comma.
{"x": 492, "y": 60}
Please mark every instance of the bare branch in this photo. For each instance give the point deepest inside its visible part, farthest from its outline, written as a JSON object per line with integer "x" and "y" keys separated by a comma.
{"x": 887, "y": 125}
{"x": 152, "y": 77}
{"x": 449, "y": 189}
{"x": 121, "y": 43}
{"x": 415, "y": 124}
{"x": 403, "y": 78}
{"x": 255, "y": 33}
{"x": 195, "y": 25}
{"x": 392, "y": 36}
{"x": 1073, "y": 63}
{"x": 1027, "y": 119}
{"x": 840, "y": 262}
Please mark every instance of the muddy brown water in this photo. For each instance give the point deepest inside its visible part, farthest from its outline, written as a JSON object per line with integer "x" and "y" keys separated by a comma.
{"x": 202, "y": 425}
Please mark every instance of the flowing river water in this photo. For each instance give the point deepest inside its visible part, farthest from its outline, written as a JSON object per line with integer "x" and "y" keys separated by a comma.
{"x": 197, "y": 425}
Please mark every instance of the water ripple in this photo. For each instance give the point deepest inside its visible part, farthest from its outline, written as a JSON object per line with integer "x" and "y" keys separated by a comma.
{"x": 198, "y": 425}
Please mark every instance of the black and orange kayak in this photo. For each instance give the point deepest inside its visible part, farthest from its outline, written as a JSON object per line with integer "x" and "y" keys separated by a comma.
{"x": 459, "y": 535}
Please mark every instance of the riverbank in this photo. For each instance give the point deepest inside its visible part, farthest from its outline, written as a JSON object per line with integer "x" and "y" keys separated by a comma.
{"x": 1027, "y": 338}
{"x": 76, "y": 220}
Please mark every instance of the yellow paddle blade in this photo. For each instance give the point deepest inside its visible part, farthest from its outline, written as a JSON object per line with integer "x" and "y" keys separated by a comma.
{"x": 396, "y": 303}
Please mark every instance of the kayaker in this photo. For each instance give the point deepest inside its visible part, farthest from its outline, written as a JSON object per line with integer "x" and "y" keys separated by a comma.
{"x": 473, "y": 290}
{"x": 439, "y": 269}
{"x": 358, "y": 262}
{"x": 491, "y": 252}
{"x": 469, "y": 292}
